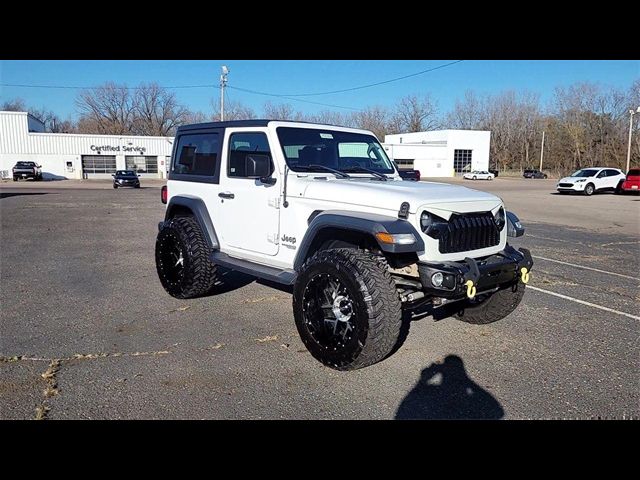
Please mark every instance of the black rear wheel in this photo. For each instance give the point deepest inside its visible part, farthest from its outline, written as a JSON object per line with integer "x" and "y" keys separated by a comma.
{"x": 182, "y": 259}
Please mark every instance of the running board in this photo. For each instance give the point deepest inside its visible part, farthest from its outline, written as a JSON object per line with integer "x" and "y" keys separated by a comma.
{"x": 285, "y": 277}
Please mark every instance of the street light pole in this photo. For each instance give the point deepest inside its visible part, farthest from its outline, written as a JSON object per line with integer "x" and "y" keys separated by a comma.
{"x": 542, "y": 151}
{"x": 631, "y": 114}
{"x": 223, "y": 83}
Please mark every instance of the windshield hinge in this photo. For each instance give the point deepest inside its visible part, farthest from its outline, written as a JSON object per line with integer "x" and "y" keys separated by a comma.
{"x": 274, "y": 202}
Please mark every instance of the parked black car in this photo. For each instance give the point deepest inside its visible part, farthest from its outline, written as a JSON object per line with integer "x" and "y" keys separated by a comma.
{"x": 534, "y": 174}
{"x": 126, "y": 178}
{"x": 411, "y": 175}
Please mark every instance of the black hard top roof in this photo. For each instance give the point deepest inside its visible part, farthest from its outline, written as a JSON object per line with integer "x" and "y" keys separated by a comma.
{"x": 241, "y": 123}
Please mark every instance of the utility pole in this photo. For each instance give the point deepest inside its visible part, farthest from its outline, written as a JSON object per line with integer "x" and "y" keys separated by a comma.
{"x": 223, "y": 83}
{"x": 631, "y": 113}
{"x": 542, "y": 151}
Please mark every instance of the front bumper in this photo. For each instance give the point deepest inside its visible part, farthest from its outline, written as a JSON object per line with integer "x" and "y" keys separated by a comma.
{"x": 571, "y": 187}
{"x": 487, "y": 274}
{"x": 126, "y": 184}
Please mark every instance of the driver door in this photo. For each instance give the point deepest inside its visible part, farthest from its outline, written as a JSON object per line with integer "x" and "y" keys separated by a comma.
{"x": 249, "y": 208}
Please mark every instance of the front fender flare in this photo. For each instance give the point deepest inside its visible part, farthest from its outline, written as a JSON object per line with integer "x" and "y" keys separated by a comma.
{"x": 368, "y": 223}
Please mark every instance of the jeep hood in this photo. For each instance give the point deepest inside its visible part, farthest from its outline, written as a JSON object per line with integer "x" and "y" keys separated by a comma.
{"x": 390, "y": 195}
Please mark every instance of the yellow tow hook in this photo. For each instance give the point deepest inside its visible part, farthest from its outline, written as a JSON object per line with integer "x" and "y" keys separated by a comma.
{"x": 471, "y": 289}
{"x": 524, "y": 275}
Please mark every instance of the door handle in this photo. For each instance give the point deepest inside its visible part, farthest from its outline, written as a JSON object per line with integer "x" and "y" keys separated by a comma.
{"x": 226, "y": 195}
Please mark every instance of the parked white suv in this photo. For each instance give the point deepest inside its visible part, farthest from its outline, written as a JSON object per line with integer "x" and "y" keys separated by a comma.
{"x": 323, "y": 209}
{"x": 591, "y": 180}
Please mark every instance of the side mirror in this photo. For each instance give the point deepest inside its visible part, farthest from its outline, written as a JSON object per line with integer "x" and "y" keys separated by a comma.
{"x": 514, "y": 227}
{"x": 258, "y": 166}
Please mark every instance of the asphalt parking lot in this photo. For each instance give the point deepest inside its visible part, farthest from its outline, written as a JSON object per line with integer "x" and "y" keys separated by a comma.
{"x": 87, "y": 332}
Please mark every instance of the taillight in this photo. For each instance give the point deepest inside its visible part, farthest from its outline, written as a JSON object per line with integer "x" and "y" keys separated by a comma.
{"x": 164, "y": 194}
{"x": 418, "y": 175}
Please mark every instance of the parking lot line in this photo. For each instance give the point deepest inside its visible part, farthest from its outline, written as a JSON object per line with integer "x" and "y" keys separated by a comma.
{"x": 585, "y": 268}
{"x": 589, "y": 304}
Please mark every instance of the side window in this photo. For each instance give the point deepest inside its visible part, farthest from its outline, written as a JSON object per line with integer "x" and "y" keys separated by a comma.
{"x": 197, "y": 154}
{"x": 243, "y": 147}
{"x": 612, "y": 173}
{"x": 602, "y": 174}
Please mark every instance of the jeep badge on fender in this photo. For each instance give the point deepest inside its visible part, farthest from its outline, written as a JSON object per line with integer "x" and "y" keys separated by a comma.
{"x": 361, "y": 245}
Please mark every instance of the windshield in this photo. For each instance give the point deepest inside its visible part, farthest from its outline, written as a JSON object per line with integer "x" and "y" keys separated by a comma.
{"x": 633, "y": 173}
{"x": 588, "y": 172}
{"x": 25, "y": 164}
{"x": 125, "y": 173}
{"x": 345, "y": 151}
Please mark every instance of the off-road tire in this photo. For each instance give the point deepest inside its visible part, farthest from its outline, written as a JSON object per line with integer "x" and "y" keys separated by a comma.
{"x": 589, "y": 191}
{"x": 15, "y": 179}
{"x": 137, "y": 186}
{"x": 494, "y": 308}
{"x": 199, "y": 273}
{"x": 474, "y": 178}
{"x": 377, "y": 311}
{"x": 115, "y": 186}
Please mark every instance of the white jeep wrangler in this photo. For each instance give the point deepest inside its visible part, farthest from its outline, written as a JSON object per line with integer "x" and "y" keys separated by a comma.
{"x": 323, "y": 208}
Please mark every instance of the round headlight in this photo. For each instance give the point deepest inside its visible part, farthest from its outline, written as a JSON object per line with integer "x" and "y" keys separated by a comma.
{"x": 425, "y": 221}
{"x": 499, "y": 218}
{"x": 437, "y": 279}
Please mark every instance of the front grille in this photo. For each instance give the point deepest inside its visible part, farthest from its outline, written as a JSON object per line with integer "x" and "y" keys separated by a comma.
{"x": 566, "y": 185}
{"x": 469, "y": 231}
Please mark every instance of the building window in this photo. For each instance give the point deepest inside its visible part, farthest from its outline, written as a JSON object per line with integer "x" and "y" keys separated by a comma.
{"x": 141, "y": 164}
{"x": 98, "y": 164}
{"x": 404, "y": 164}
{"x": 462, "y": 160}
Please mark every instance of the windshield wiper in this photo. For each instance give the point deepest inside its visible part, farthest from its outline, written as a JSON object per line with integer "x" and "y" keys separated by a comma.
{"x": 326, "y": 169}
{"x": 381, "y": 176}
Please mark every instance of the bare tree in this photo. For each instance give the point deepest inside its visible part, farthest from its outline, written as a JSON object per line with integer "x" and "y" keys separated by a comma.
{"x": 467, "y": 114}
{"x": 415, "y": 114}
{"x": 195, "y": 117}
{"x": 14, "y": 105}
{"x": 282, "y": 111}
{"x": 108, "y": 109}
{"x": 233, "y": 110}
{"x": 114, "y": 110}
{"x": 375, "y": 119}
{"x": 157, "y": 111}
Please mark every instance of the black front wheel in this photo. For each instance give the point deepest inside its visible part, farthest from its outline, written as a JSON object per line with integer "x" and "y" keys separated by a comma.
{"x": 346, "y": 308}
{"x": 489, "y": 308}
{"x": 182, "y": 259}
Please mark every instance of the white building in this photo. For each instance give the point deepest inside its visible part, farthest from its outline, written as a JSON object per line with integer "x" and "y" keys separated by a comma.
{"x": 440, "y": 153}
{"x": 63, "y": 155}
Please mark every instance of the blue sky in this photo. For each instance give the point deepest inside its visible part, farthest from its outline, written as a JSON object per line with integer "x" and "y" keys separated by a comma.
{"x": 299, "y": 77}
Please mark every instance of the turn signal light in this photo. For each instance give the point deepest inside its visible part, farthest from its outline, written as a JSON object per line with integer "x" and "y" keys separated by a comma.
{"x": 164, "y": 194}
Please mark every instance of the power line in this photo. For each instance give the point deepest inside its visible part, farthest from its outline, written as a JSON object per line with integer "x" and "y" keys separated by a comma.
{"x": 255, "y": 92}
{"x": 76, "y": 87}
{"x": 372, "y": 84}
